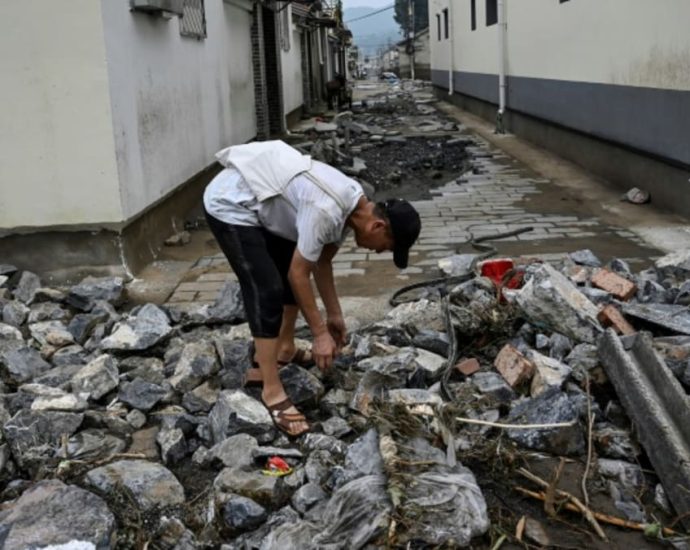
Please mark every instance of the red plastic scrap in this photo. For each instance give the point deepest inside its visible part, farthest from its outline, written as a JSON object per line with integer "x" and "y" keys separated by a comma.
{"x": 276, "y": 466}
{"x": 502, "y": 273}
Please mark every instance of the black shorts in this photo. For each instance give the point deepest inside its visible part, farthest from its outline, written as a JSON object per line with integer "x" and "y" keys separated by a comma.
{"x": 261, "y": 262}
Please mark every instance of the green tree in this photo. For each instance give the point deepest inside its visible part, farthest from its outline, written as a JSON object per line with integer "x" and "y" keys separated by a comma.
{"x": 421, "y": 14}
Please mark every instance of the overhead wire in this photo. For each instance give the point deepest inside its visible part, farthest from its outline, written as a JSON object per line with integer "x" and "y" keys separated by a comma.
{"x": 371, "y": 14}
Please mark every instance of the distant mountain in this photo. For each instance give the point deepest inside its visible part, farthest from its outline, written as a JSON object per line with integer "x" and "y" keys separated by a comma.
{"x": 374, "y": 32}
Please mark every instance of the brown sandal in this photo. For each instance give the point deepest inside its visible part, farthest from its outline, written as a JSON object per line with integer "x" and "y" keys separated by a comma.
{"x": 282, "y": 419}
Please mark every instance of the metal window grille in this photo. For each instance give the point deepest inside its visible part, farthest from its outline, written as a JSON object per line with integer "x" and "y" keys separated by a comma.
{"x": 193, "y": 22}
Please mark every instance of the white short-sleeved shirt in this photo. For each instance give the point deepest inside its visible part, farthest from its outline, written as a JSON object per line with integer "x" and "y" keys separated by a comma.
{"x": 303, "y": 212}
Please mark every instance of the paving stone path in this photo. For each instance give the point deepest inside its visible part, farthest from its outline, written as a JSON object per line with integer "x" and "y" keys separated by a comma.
{"x": 496, "y": 196}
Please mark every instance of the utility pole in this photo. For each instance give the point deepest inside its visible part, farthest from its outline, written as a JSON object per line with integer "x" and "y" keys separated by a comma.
{"x": 410, "y": 36}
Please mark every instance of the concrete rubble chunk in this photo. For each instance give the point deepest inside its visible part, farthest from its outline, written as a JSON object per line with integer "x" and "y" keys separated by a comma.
{"x": 97, "y": 378}
{"x": 493, "y": 384}
{"x": 585, "y": 257}
{"x": 549, "y": 300}
{"x": 140, "y": 331}
{"x": 151, "y": 485}
{"x": 548, "y": 373}
{"x": 301, "y": 386}
{"x": 51, "y": 514}
{"x": 26, "y": 287}
{"x": 53, "y": 333}
{"x": 60, "y": 401}
{"x": 515, "y": 368}
{"x": 15, "y": 313}
{"x": 242, "y": 513}
{"x": 658, "y": 407}
{"x": 94, "y": 444}
{"x": 551, "y": 407}
{"x": 235, "y": 451}
{"x": 23, "y": 363}
{"x": 141, "y": 394}
{"x": 197, "y": 361}
{"x": 614, "y": 284}
{"x": 250, "y": 484}
{"x": 236, "y": 412}
{"x": 91, "y": 289}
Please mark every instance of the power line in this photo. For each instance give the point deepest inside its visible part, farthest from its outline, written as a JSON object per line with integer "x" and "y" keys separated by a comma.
{"x": 370, "y": 14}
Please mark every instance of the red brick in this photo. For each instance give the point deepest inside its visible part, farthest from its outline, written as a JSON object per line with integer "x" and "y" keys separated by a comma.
{"x": 614, "y": 284}
{"x": 468, "y": 366}
{"x": 610, "y": 316}
{"x": 514, "y": 367}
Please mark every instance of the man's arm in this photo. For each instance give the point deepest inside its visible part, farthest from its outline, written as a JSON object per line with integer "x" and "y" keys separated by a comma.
{"x": 323, "y": 275}
{"x": 324, "y": 347}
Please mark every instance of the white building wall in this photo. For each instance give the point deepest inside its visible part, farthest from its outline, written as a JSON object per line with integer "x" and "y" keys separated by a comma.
{"x": 57, "y": 159}
{"x": 629, "y": 42}
{"x": 291, "y": 63}
{"x": 175, "y": 100}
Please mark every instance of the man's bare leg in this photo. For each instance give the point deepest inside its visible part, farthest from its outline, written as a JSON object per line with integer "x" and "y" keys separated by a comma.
{"x": 286, "y": 338}
{"x": 266, "y": 355}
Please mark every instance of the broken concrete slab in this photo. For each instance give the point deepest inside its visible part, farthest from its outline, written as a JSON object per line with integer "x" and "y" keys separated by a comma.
{"x": 550, "y": 299}
{"x": 658, "y": 407}
{"x": 672, "y": 317}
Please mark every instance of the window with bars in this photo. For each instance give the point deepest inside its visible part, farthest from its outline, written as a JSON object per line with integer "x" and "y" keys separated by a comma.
{"x": 193, "y": 21}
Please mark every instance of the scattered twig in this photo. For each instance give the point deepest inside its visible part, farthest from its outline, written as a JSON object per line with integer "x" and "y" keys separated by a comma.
{"x": 499, "y": 542}
{"x": 551, "y": 490}
{"x": 516, "y": 426}
{"x": 520, "y": 528}
{"x": 590, "y": 425}
{"x": 605, "y": 518}
{"x": 584, "y": 510}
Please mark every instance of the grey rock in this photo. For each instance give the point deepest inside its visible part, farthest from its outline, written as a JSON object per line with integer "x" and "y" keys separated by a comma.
{"x": 22, "y": 363}
{"x": 235, "y": 360}
{"x": 242, "y": 513}
{"x": 596, "y": 295}
{"x": 672, "y": 317}
{"x": 202, "y": 398}
{"x": 549, "y": 299}
{"x": 235, "y": 451}
{"x": 151, "y": 485}
{"x": 412, "y": 396}
{"x": 59, "y": 400}
{"x": 552, "y": 406}
{"x": 7, "y": 269}
{"x": 254, "y": 539}
{"x": 561, "y": 346}
{"x": 336, "y": 426}
{"x": 585, "y": 257}
{"x": 35, "y": 436}
{"x": 97, "y": 378}
{"x": 320, "y": 442}
{"x": 197, "y": 362}
{"x": 307, "y": 496}
{"x": 84, "y": 295}
{"x": 228, "y": 308}
{"x": 93, "y": 444}
{"x": 651, "y": 291}
{"x": 82, "y": 325}
{"x": 46, "y": 311}
{"x": 173, "y": 445}
{"x": 628, "y": 475}
{"x": 422, "y": 314}
{"x": 52, "y": 333}
{"x": 251, "y": 484}
{"x": 26, "y": 287}
{"x": 430, "y": 363}
{"x": 335, "y": 400}
{"x": 141, "y": 394}
{"x": 265, "y": 451}
{"x": 318, "y": 466}
{"x": 433, "y": 341}
{"x": 149, "y": 369}
{"x": 173, "y": 535}
{"x": 493, "y": 384}
{"x": 15, "y": 313}
{"x": 140, "y": 331}
{"x": 136, "y": 419}
{"x": 69, "y": 355}
{"x": 51, "y": 514}
{"x": 236, "y": 412}
{"x": 8, "y": 332}
{"x": 612, "y": 442}
{"x": 549, "y": 373}
{"x": 621, "y": 267}
{"x": 58, "y": 377}
{"x": 301, "y": 386}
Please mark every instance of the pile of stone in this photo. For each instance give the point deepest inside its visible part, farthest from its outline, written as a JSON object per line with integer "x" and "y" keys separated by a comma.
{"x": 121, "y": 428}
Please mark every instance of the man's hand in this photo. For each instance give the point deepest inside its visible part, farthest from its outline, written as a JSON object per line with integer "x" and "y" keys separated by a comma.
{"x": 337, "y": 330}
{"x": 324, "y": 349}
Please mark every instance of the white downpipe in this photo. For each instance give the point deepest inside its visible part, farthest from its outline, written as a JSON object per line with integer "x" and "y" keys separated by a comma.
{"x": 502, "y": 29}
{"x": 451, "y": 86}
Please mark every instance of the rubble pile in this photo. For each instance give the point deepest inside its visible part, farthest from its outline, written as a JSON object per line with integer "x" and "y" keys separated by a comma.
{"x": 417, "y": 144}
{"x": 124, "y": 427}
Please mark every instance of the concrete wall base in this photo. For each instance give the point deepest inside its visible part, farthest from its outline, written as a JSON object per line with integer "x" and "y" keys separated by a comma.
{"x": 669, "y": 184}
{"x": 69, "y": 253}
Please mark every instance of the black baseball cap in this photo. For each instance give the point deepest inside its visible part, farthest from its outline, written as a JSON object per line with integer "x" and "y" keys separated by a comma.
{"x": 405, "y": 226}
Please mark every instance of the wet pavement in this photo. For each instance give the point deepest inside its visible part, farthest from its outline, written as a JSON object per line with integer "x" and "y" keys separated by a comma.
{"x": 566, "y": 208}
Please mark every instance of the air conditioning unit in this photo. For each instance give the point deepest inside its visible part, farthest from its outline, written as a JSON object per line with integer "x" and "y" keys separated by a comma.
{"x": 157, "y": 6}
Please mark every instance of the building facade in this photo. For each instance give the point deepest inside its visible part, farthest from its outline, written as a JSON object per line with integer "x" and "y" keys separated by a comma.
{"x": 605, "y": 83}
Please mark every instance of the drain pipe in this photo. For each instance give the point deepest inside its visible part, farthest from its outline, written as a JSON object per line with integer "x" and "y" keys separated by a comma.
{"x": 502, "y": 29}
{"x": 451, "y": 86}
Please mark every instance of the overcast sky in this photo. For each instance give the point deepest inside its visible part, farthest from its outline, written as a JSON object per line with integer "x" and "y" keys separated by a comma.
{"x": 377, "y": 4}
